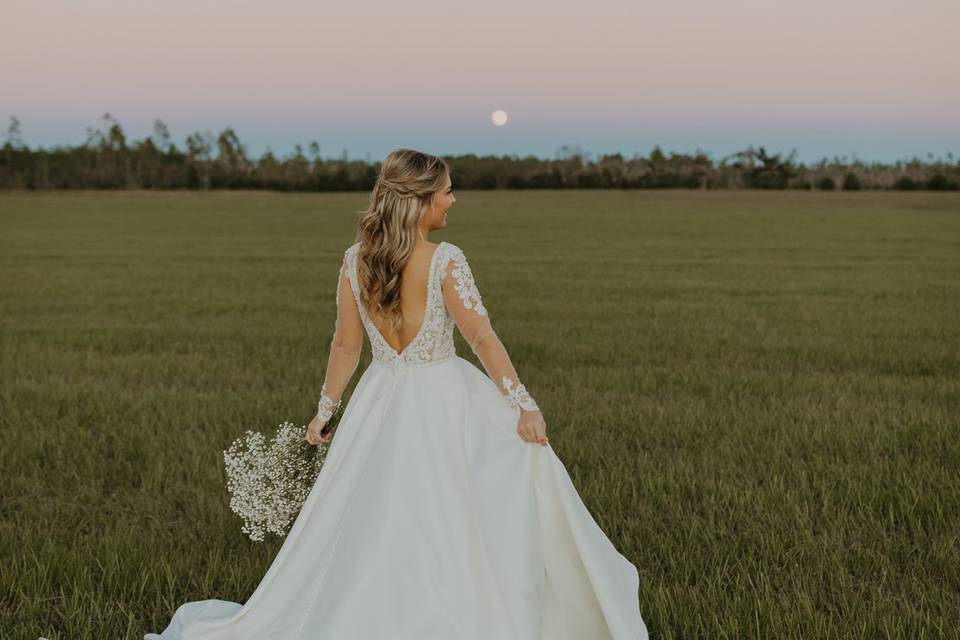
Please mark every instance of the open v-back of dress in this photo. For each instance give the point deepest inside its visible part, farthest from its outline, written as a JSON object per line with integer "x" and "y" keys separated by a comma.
{"x": 431, "y": 519}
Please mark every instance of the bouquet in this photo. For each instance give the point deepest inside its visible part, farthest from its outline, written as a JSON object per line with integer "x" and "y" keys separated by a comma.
{"x": 269, "y": 480}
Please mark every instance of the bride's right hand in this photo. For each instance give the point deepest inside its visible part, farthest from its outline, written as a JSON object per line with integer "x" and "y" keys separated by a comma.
{"x": 531, "y": 427}
{"x": 313, "y": 432}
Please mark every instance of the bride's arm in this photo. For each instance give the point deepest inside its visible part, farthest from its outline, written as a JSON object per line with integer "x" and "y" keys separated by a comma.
{"x": 345, "y": 347}
{"x": 462, "y": 299}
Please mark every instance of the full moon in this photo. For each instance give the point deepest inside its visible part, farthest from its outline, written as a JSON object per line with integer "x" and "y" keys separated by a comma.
{"x": 499, "y": 118}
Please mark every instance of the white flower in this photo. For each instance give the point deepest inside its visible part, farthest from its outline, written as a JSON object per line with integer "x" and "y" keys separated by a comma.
{"x": 269, "y": 482}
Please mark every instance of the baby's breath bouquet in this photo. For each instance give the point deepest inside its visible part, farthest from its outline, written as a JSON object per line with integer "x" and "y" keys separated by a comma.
{"x": 269, "y": 481}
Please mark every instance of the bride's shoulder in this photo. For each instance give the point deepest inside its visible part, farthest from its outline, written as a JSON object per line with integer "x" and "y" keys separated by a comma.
{"x": 449, "y": 255}
{"x": 453, "y": 263}
{"x": 450, "y": 250}
{"x": 350, "y": 257}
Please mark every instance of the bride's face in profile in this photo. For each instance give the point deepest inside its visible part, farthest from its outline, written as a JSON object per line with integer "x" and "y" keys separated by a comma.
{"x": 435, "y": 215}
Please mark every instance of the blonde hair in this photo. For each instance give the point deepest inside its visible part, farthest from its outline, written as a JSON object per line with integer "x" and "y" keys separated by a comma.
{"x": 388, "y": 228}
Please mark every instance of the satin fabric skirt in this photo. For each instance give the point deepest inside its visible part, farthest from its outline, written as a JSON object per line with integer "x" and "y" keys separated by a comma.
{"x": 432, "y": 520}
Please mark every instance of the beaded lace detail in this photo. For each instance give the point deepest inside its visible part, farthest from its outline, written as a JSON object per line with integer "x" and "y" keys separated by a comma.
{"x": 434, "y": 340}
{"x": 466, "y": 285}
{"x": 326, "y": 406}
{"x": 519, "y": 396}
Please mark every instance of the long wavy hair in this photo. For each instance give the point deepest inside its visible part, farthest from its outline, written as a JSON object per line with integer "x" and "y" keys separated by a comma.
{"x": 388, "y": 228}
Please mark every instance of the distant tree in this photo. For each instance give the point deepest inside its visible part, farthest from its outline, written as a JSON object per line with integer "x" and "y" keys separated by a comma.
{"x": 232, "y": 168}
{"x": 764, "y": 171}
{"x": 199, "y": 146}
{"x": 905, "y": 183}
{"x": 269, "y": 171}
{"x": 298, "y": 169}
{"x": 13, "y": 164}
{"x": 108, "y": 164}
{"x": 826, "y": 183}
{"x": 13, "y": 137}
{"x": 851, "y": 182}
{"x": 115, "y": 138}
{"x": 161, "y": 136}
{"x": 939, "y": 182}
{"x": 657, "y": 167}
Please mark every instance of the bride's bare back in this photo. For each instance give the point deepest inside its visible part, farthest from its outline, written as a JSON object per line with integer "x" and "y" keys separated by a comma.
{"x": 414, "y": 282}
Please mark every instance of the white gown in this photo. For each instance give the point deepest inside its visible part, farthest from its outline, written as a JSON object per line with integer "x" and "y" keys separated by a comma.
{"x": 431, "y": 519}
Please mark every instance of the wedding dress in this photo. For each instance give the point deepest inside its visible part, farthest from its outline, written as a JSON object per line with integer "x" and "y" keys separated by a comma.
{"x": 431, "y": 519}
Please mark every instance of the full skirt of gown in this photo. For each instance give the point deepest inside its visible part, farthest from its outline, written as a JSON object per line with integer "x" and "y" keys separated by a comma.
{"x": 432, "y": 520}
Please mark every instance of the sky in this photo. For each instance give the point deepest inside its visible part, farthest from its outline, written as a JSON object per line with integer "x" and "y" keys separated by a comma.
{"x": 875, "y": 80}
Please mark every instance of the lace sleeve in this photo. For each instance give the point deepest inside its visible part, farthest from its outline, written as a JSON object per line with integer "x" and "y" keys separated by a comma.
{"x": 345, "y": 347}
{"x": 462, "y": 299}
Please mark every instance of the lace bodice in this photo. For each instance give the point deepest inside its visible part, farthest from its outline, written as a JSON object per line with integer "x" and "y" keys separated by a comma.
{"x": 434, "y": 341}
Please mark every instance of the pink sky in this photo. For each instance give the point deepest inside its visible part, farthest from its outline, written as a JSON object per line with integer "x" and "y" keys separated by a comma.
{"x": 878, "y": 79}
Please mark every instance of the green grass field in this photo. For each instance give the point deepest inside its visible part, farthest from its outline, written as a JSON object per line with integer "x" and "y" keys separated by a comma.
{"x": 757, "y": 394}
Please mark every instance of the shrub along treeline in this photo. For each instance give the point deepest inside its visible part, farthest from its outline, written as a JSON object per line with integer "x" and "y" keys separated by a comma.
{"x": 107, "y": 160}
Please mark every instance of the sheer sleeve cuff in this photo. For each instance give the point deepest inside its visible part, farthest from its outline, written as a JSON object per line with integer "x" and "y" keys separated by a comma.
{"x": 519, "y": 397}
{"x": 326, "y": 406}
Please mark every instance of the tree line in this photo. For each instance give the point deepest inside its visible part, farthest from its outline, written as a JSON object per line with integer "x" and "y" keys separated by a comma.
{"x": 108, "y": 160}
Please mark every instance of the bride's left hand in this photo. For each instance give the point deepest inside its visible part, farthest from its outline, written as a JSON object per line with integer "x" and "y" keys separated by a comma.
{"x": 531, "y": 427}
{"x": 313, "y": 432}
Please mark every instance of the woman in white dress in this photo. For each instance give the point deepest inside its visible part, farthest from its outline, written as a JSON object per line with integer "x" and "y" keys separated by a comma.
{"x": 441, "y": 512}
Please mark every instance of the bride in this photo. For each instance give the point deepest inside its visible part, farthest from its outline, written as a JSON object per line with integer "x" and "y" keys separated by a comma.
{"x": 441, "y": 512}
